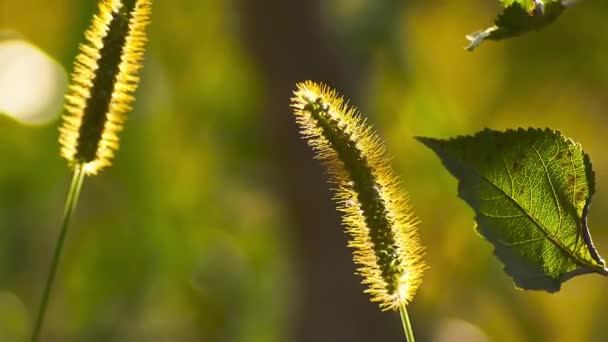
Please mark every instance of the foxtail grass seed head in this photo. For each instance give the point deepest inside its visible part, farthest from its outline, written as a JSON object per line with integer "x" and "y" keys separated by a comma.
{"x": 375, "y": 210}
{"x": 104, "y": 80}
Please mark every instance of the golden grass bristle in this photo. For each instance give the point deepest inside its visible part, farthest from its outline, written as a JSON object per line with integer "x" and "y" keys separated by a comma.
{"x": 104, "y": 80}
{"x": 375, "y": 210}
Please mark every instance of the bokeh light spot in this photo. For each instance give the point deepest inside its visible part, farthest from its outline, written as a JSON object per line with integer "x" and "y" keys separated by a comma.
{"x": 32, "y": 84}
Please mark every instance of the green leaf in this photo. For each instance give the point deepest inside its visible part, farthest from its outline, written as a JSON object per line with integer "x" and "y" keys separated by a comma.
{"x": 519, "y": 17}
{"x": 530, "y": 190}
{"x": 528, "y": 5}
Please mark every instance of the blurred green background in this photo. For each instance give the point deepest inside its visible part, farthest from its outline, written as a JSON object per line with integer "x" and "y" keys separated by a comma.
{"x": 215, "y": 223}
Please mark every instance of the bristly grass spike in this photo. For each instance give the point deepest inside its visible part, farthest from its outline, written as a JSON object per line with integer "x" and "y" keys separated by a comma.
{"x": 104, "y": 80}
{"x": 375, "y": 210}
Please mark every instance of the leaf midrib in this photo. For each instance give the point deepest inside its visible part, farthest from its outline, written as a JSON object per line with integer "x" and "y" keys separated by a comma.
{"x": 534, "y": 220}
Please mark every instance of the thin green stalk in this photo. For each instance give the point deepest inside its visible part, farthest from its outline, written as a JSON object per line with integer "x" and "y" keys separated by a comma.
{"x": 70, "y": 204}
{"x": 407, "y": 326}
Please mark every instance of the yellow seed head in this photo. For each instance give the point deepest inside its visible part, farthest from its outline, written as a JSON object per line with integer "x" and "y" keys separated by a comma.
{"x": 375, "y": 210}
{"x": 104, "y": 79}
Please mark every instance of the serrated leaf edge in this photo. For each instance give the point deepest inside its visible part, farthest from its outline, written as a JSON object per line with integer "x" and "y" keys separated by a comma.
{"x": 585, "y": 266}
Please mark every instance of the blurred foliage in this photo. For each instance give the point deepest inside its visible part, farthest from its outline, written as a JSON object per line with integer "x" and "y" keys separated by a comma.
{"x": 184, "y": 239}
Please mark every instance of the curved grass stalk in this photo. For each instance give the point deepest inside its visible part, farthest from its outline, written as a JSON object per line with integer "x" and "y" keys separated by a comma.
{"x": 375, "y": 210}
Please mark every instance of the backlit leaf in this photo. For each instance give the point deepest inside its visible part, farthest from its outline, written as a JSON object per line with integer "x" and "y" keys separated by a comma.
{"x": 519, "y": 17}
{"x": 528, "y": 5}
{"x": 530, "y": 190}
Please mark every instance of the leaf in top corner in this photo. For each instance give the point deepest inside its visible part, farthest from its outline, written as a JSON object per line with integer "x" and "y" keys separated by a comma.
{"x": 519, "y": 17}
{"x": 530, "y": 190}
{"x": 528, "y": 5}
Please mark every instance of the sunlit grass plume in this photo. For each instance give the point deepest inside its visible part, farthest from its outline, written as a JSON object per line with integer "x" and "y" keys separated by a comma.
{"x": 375, "y": 210}
{"x": 103, "y": 82}
{"x": 100, "y": 94}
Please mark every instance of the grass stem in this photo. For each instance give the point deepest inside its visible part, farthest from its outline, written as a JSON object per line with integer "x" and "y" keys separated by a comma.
{"x": 407, "y": 326}
{"x": 70, "y": 204}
